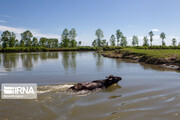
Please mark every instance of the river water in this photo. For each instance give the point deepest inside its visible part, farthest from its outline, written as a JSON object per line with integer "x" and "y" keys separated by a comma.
{"x": 146, "y": 92}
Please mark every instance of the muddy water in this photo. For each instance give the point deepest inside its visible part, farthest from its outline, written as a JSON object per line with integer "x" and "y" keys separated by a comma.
{"x": 146, "y": 92}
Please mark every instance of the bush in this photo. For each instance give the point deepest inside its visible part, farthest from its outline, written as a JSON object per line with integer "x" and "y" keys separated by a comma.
{"x": 23, "y": 49}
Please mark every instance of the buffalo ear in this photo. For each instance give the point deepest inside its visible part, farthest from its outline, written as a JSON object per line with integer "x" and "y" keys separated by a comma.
{"x": 110, "y": 78}
{"x": 107, "y": 77}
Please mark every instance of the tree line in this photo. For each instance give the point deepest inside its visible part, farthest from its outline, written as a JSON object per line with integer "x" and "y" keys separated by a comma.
{"x": 120, "y": 40}
{"x": 68, "y": 40}
{"x": 100, "y": 42}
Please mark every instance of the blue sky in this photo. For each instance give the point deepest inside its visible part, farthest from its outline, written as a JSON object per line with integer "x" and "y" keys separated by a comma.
{"x": 48, "y": 18}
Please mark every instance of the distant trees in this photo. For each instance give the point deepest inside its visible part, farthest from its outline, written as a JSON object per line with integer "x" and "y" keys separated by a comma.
{"x": 79, "y": 43}
{"x": 151, "y": 34}
{"x": 22, "y": 43}
{"x": 12, "y": 41}
{"x": 145, "y": 43}
{"x": 94, "y": 43}
{"x": 8, "y": 39}
{"x": 48, "y": 42}
{"x": 98, "y": 41}
{"x": 64, "y": 38}
{"x": 52, "y": 43}
{"x": 174, "y": 42}
{"x": 43, "y": 42}
{"x": 35, "y": 42}
{"x": 119, "y": 35}
{"x": 135, "y": 40}
{"x": 26, "y": 37}
{"x": 163, "y": 36}
{"x": 104, "y": 43}
{"x": 72, "y": 37}
{"x": 112, "y": 40}
{"x": 68, "y": 38}
{"x": 5, "y": 38}
{"x": 16, "y": 43}
{"x": 123, "y": 41}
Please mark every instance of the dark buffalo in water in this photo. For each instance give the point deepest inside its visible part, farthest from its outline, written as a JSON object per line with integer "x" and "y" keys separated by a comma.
{"x": 96, "y": 84}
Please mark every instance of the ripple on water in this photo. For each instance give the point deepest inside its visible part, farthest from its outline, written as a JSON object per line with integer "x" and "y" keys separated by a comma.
{"x": 116, "y": 102}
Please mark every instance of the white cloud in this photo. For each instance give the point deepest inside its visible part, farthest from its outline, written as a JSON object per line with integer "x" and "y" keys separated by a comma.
{"x": 18, "y": 31}
{"x": 2, "y": 21}
{"x": 155, "y": 30}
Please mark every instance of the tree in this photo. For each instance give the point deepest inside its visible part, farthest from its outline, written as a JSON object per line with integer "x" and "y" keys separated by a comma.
{"x": 174, "y": 42}
{"x": 99, "y": 34}
{"x": 79, "y": 43}
{"x": 73, "y": 43}
{"x": 123, "y": 41}
{"x": 22, "y": 43}
{"x": 12, "y": 40}
{"x": 72, "y": 36}
{"x": 151, "y": 34}
{"x": 112, "y": 40}
{"x": 163, "y": 36}
{"x": 56, "y": 42}
{"x": 64, "y": 38}
{"x": 16, "y": 43}
{"x": 94, "y": 44}
{"x": 49, "y": 43}
{"x": 43, "y": 42}
{"x": 26, "y": 37}
{"x": 119, "y": 35}
{"x": 104, "y": 43}
{"x": 35, "y": 42}
{"x": 135, "y": 40}
{"x": 5, "y": 38}
{"x": 145, "y": 43}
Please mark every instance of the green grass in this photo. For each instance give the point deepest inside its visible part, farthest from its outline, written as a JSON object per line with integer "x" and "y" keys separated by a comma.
{"x": 158, "y": 53}
{"x": 37, "y": 49}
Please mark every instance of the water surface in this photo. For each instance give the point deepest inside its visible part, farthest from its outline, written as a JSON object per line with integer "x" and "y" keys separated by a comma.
{"x": 146, "y": 92}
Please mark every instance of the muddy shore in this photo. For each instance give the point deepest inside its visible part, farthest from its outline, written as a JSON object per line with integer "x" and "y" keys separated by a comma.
{"x": 169, "y": 62}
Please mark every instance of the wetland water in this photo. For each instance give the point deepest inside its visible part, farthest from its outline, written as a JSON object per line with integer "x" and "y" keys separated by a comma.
{"x": 146, "y": 92}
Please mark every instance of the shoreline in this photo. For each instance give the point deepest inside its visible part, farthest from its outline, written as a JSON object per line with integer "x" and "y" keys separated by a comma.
{"x": 170, "y": 63}
{"x": 44, "y": 49}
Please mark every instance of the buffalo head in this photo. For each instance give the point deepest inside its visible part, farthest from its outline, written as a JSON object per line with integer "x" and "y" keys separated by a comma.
{"x": 112, "y": 79}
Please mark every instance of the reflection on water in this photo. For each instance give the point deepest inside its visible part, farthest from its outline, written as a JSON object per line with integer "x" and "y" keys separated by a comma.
{"x": 69, "y": 60}
{"x": 99, "y": 61}
{"x": 11, "y": 61}
{"x": 146, "y": 92}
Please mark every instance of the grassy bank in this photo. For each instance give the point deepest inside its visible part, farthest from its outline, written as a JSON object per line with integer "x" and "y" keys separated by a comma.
{"x": 168, "y": 57}
{"x": 157, "y": 53}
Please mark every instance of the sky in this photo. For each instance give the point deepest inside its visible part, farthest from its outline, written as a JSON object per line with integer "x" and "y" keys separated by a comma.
{"x": 48, "y": 18}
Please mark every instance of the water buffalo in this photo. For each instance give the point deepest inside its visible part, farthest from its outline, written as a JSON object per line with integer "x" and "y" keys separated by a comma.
{"x": 96, "y": 84}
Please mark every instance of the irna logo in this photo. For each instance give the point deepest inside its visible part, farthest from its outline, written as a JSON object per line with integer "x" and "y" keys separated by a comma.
{"x": 18, "y": 91}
